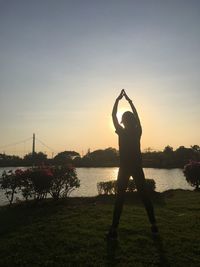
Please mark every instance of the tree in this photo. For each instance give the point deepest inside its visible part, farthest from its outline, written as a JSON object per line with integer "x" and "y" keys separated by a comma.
{"x": 168, "y": 150}
{"x": 65, "y": 157}
{"x": 192, "y": 173}
{"x": 77, "y": 161}
{"x": 38, "y": 158}
{"x": 196, "y": 148}
{"x": 148, "y": 150}
{"x": 10, "y": 160}
{"x": 183, "y": 154}
{"x": 102, "y": 157}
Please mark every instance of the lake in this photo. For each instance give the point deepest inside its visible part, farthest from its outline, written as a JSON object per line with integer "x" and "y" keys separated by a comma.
{"x": 89, "y": 177}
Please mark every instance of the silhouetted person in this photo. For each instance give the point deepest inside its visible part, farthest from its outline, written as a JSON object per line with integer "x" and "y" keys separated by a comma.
{"x": 130, "y": 164}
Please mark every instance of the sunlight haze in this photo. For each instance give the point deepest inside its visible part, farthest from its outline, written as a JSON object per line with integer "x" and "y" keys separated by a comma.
{"x": 63, "y": 63}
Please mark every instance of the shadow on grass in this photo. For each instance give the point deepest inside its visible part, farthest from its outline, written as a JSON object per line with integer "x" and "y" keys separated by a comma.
{"x": 158, "y": 243}
{"x": 19, "y": 215}
{"x": 133, "y": 198}
{"x": 111, "y": 249}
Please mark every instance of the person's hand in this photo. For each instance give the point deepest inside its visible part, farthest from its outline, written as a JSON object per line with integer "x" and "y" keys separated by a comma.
{"x": 121, "y": 95}
{"x": 127, "y": 98}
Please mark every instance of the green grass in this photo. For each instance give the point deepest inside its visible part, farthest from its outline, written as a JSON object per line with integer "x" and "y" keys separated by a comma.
{"x": 71, "y": 233}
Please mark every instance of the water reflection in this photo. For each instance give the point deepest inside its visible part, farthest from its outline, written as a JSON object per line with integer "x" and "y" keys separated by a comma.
{"x": 165, "y": 179}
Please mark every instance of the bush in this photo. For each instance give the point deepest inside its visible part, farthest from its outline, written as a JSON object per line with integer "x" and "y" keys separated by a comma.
{"x": 131, "y": 185}
{"x": 150, "y": 185}
{"x": 107, "y": 188}
{"x": 192, "y": 173}
{"x": 64, "y": 181}
{"x": 110, "y": 187}
{"x": 38, "y": 182}
{"x": 11, "y": 183}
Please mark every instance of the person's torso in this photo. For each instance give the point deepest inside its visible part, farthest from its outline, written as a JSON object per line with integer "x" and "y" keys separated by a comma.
{"x": 129, "y": 148}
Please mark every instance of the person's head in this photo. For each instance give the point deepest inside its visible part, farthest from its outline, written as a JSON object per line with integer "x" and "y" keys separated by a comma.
{"x": 128, "y": 120}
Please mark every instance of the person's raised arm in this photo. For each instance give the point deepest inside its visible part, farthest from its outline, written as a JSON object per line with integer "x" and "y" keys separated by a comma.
{"x": 134, "y": 112}
{"x": 114, "y": 111}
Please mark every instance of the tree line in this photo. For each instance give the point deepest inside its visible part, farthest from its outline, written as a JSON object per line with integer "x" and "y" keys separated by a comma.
{"x": 109, "y": 157}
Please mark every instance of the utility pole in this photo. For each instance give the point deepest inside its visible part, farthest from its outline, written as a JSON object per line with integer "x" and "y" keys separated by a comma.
{"x": 33, "y": 151}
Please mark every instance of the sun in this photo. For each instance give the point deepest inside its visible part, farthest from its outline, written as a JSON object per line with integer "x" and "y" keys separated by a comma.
{"x": 120, "y": 112}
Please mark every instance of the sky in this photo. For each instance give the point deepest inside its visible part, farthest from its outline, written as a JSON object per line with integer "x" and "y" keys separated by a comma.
{"x": 63, "y": 63}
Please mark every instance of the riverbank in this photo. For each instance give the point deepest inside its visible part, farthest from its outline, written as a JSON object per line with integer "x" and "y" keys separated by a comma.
{"x": 71, "y": 232}
{"x": 89, "y": 177}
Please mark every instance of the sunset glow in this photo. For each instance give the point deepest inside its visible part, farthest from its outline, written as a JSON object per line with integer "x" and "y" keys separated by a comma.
{"x": 64, "y": 63}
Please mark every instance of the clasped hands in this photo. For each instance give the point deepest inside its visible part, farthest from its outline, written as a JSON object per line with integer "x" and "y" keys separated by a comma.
{"x": 123, "y": 93}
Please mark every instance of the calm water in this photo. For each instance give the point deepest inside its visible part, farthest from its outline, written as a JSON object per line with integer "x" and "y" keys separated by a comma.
{"x": 89, "y": 177}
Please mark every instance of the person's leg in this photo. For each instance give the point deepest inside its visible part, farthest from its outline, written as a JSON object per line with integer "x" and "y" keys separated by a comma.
{"x": 140, "y": 182}
{"x": 122, "y": 181}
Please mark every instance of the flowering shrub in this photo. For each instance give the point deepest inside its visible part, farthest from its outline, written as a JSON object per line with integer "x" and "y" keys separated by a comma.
{"x": 64, "y": 181}
{"x": 192, "y": 173}
{"x": 38, "y": 182}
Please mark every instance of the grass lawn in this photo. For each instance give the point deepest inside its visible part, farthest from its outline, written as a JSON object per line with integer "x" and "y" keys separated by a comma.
{"x": 71, "y": 232}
